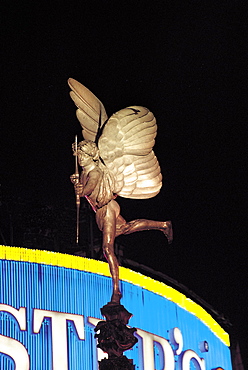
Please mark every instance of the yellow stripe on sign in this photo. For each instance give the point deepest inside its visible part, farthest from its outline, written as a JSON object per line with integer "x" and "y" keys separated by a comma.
{"x": 101, "y": 268}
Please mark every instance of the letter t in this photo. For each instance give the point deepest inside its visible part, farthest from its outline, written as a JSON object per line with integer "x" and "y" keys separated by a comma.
{"x": 59, "y": 333}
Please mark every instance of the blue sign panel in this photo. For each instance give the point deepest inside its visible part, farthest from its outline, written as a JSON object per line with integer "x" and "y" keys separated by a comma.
{"x": 50, "y": 304}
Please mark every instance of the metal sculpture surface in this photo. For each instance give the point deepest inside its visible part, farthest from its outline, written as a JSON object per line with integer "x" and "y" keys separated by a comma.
{"x": 117, "y": 159}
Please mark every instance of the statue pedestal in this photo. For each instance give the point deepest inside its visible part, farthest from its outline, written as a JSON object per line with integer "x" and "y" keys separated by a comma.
{"x": 119, "y": 363}
{"x": 114, "y": 337}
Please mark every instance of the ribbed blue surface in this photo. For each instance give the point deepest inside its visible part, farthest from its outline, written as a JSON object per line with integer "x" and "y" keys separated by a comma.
{"x": 32, "y": 285}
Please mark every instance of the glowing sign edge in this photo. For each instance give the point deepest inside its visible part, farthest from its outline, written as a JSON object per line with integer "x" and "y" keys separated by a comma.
{"x": 101, "y": 268}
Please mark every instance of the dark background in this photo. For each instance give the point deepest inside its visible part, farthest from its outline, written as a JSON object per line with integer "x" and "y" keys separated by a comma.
{"x": 184, "y": 60}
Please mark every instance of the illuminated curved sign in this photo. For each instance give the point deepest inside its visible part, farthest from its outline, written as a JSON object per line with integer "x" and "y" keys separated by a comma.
{"x": 50, "y": 304}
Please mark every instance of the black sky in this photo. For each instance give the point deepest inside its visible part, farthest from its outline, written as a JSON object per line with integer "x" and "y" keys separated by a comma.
{"x": 184, "y": 60}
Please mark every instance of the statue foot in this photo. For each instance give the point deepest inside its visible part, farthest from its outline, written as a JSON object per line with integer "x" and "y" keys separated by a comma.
{"x": 116, "y": 297}
{"x": 168, "y": 231}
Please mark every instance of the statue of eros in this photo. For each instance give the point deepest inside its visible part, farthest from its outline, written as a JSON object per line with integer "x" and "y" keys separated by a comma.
{"x": 117, "y": 159}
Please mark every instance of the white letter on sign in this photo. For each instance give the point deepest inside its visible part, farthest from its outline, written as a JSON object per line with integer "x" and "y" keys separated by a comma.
{"x": 59, "y": 333}
{"x": 16, "y": 351}
{"x": 12, "y": 347}
{"x": 148, "y": 350}
{"x": 191, "y": 355}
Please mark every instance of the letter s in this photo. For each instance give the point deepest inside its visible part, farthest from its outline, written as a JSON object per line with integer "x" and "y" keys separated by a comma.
{"x": 12, "y": 347}
{"x": 16, "y": 351}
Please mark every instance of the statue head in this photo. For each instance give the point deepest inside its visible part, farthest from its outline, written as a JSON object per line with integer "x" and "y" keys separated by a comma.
{"x": 87, "y": 147}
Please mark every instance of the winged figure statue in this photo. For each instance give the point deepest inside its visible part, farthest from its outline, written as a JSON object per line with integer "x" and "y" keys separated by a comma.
{"x": 117, "y": 159}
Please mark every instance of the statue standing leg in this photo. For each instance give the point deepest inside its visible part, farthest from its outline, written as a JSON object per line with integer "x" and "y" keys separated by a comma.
{"x": 106, "y": 221}
{"x": 112, "y": 224}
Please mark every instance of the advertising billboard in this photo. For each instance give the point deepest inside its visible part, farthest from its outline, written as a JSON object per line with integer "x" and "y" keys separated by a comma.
{"x": 50, "y": 304}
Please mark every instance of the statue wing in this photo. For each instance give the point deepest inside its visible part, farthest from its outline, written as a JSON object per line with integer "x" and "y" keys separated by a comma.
{"x": 126, "y": 146}
{"x": 90, "y": 113}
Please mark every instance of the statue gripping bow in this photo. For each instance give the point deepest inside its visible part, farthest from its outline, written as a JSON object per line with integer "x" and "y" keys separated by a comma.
{"x": 117, "y": 159}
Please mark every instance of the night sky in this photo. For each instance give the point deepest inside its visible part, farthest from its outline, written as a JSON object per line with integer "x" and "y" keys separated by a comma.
{"x": 184, "y": 60}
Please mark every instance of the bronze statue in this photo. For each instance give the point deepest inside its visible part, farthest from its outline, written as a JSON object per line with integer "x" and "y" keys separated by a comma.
{"x": 117, "y": 159}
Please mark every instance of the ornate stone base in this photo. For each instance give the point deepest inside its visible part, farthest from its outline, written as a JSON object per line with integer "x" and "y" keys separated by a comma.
{"x": 114, "y": 337}
{"x": 118, "y": 363}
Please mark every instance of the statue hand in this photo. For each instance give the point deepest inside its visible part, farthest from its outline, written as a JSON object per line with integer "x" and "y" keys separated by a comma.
{"x": 79, "y": 189}
{"x": 77, "y": 184}
{"x": 75, "y": 178}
